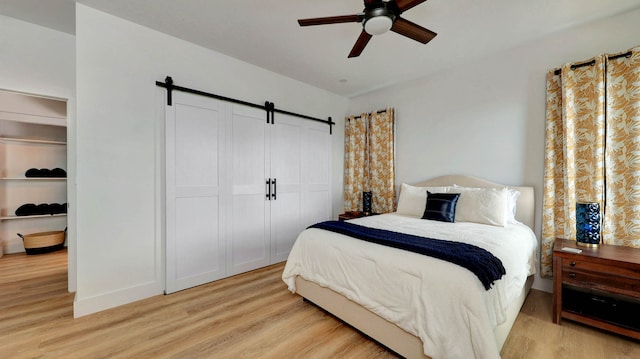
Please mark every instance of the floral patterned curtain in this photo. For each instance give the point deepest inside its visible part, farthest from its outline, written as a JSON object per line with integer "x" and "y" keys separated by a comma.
{"x": 355, "y": 161}
{"x": 381, "y": 179}
{"x": 369, "y": 161}
{"x": 588, "y": 104}
{"x": 622, "y": 206}
{"x": 554, "y": 210}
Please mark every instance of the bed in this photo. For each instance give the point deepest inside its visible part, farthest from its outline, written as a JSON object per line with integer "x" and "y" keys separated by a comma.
{"x": 419, "y": 306}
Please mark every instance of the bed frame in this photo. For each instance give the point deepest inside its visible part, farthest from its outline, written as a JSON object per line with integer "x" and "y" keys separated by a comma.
{"x": 389, "y": 334}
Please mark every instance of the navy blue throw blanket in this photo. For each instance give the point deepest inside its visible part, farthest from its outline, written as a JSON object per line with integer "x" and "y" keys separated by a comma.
{"x": 481, "y": 262}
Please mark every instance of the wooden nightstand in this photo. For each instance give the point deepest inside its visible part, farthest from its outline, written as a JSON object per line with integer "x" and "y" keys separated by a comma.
{"x": 351, "y": 215}
{"x": 599, "y": 287}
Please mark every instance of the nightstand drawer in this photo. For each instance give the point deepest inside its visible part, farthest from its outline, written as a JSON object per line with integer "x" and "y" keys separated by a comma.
{"x": 602, "y": 269}
{"x": 602, "y": 281}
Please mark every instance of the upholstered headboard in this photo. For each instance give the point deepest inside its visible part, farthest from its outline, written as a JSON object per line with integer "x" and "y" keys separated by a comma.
{"x": 525, "y": 207}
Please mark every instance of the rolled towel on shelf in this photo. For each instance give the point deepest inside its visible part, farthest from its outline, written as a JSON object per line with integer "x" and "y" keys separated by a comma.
{"x": 45, "y": 173}
{"x": 31, "y": 209}
{"x": 32, "y": 172}
{"x": 43, "y": 208}
{"x": 37, "y": 173}
{"x": 27, "y": 209}
{"x": 58, "y": 173}
{"x": 57, "y": 208}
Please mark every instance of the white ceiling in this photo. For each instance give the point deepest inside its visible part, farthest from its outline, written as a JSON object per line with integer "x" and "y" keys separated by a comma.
{"x": 265, "y": 32}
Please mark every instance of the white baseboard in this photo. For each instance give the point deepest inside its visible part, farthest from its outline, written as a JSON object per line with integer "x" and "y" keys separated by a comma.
{"x": 86, "y": 306}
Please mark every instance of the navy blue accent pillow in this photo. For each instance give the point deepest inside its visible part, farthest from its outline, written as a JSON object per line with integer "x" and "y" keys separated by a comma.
{"x": 441, "y": 206}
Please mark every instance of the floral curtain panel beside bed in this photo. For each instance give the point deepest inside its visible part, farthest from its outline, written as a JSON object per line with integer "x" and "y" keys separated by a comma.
{"x": 369, "y": 161}
{"x": 355, "y": 161}
{"x": 592, "y": 149}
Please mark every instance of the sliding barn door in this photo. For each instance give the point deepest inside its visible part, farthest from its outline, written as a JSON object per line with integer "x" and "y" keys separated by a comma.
{"x": 286, "y": 170}
{"x": 316, "y": 174}
{"x": 239, "y": 190}
{"x": 300, "y": 164}
{"x": 195, "y": 242}
{"x": 247, "y": 170}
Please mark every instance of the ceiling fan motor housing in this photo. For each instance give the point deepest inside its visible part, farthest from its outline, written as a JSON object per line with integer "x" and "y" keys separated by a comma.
{"x": 378, "y": 21}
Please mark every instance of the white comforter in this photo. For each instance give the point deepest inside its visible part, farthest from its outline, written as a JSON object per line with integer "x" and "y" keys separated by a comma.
{"x": 445, "y": 305}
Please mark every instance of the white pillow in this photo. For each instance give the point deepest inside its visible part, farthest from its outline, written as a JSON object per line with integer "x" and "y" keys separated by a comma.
{"x": 481, "y": 205}
{"x": 512, "y": 199}
{"x": 413, "y": 200}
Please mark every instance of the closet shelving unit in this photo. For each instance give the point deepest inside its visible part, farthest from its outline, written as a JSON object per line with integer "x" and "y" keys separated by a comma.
{"x": 32, "y": 135}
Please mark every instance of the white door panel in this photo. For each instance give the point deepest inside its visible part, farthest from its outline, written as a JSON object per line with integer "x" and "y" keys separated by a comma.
{"x": 197, "y": 256}
{"x": 286, "y": 144}
{"x": 249, "y": 245}
{"x": 317, "y": 153}
{"x": 318, "y": 208}
{"x": 249, "y": 208}
{"x": 316, "y": 174}
{"x": 286, "y": 225}
{"x": 195, "y": 244}
{"x": 196, "y": 138}
{"x": 286, "y": 169}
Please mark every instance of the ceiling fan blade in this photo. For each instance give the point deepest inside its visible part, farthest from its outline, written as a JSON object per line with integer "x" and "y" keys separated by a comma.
{"x": 362, "y": 41}
{"x": 405, "y": 5}
{"x": 412, "y": 30}
{"x": 330, "y": 20}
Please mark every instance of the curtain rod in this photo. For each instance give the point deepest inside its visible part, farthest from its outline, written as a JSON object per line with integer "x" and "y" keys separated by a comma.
{"x": 268, "y": 106}
{"x": 584, "y": 64}
{"x": 593, "y": 62}
{"x": 626, "y": 54}
{"x": 378, "y": 112}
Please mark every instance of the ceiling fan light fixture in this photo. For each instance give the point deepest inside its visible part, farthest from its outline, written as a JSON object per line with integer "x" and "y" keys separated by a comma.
{"x": 378, "y": 25}
{"x": 378, "y": 17}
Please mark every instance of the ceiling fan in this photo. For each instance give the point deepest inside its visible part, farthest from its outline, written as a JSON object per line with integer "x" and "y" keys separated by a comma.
{"x": 377, "y": 18}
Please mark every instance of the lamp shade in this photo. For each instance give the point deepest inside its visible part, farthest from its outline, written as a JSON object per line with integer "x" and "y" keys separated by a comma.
{"x": 378, "y": 25}
{"x": 588, "y": 223}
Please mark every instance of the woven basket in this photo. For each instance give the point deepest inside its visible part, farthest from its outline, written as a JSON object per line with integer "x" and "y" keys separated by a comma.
{"x": 43, "y": 242}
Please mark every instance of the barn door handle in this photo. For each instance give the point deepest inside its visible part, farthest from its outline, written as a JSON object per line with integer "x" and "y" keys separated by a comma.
{"x": 274, "y": 189}
{"x": 268, "y": 183}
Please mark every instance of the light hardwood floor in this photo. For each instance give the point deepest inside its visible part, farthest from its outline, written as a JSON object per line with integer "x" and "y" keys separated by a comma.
{"x": 247, "y": 316}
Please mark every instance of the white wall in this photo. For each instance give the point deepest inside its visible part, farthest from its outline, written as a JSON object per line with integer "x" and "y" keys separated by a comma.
{"x": 119, "y": 146}
{"x": 487, "y": 118}
{"x": 36, "y": 59}
{"x": 40, "y": 61}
